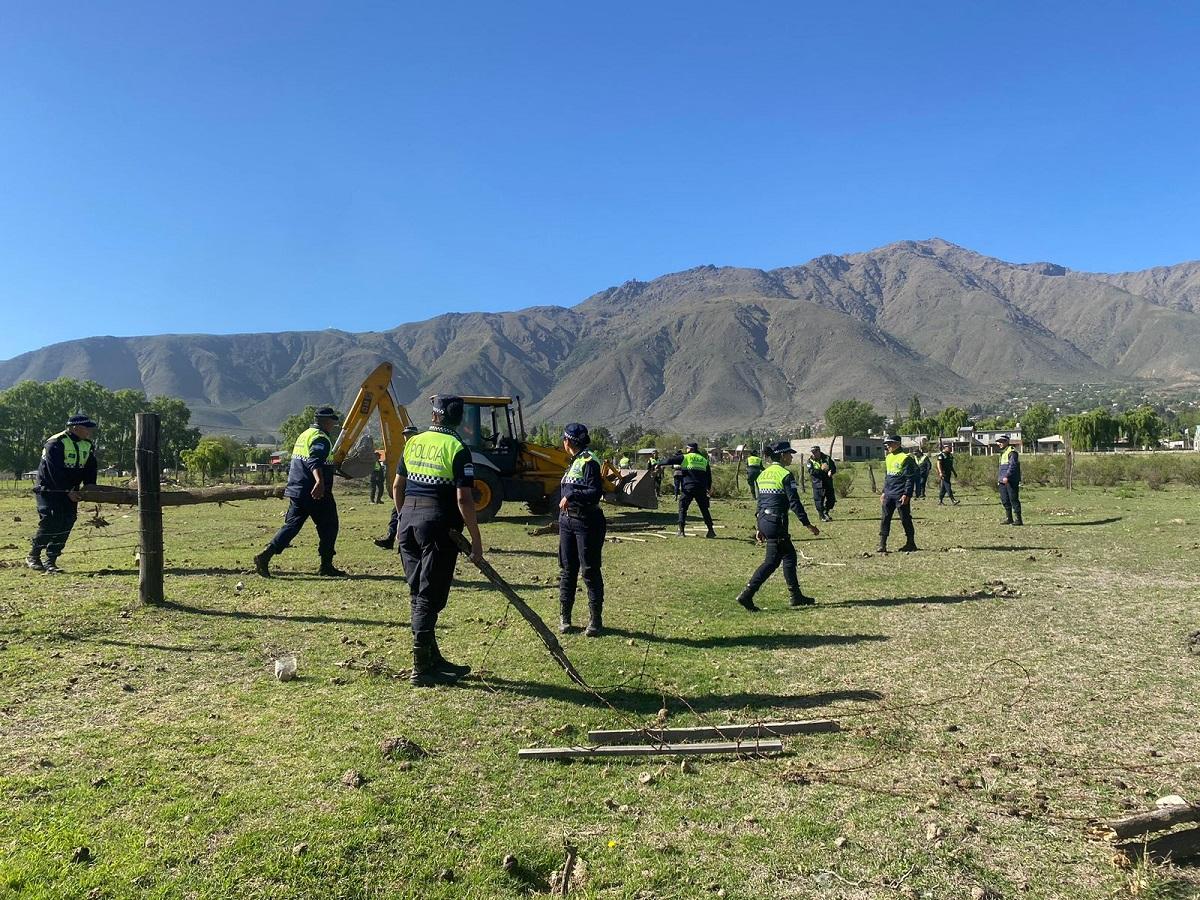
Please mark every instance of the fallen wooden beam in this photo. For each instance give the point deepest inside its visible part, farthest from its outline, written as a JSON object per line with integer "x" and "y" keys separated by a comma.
{"x": 1175, "y": 847}
{"x": 1147, "y": 822}
{"x": 103, "y": 493}
{"x": 752, "y": 748}
{"x": 720, "y": 732}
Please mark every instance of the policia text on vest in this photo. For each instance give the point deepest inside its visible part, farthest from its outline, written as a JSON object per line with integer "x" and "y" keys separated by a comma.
{"x": 899, "y": 483}
{"x": 695, "y": 484}
{"x": 68, "y": 462}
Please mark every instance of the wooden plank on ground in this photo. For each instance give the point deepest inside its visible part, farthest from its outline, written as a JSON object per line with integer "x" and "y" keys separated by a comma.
{"x": 719, "y": 732}
{"x": 743, "y": 747}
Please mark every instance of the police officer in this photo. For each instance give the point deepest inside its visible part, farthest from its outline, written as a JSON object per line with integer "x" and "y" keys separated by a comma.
{"x": 1009, "y": 478}
{"x": 68, "y": 462}
{"x": 754, "y": 467}
{"x": 924, "y": 464}
{"x": 623, "y": 462}
{"x": 695, "y": 484}
{"x": 899, "y": 482}
{"x": 581, "y": 530}
{"x": 378, "y": 474}
{"x": 433, "y": 494}
{"x": 389, "y": 542}
{"x": 821, "y": 469}
{"x": 310, "y": 492}
{"x": 776, "y": 494}
{"x": 677, "y": 479}
{"x": 945, "y": 471}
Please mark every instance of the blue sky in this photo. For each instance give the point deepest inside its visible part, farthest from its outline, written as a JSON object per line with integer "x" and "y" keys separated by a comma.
{"x": 226, "y": 167}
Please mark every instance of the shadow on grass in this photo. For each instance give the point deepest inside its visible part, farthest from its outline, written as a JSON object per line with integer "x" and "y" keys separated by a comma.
{"x": 759, "y": 641}
{"x": 550, "y": 553}
{"x": 1003, "y": 548}
{"x": 283, "y": 574}
{"x": 173, "y": 606}
{"x": 145, "y": 645}
{"x": 647, "y": 702}
{"x": 900, "y": 601}
{"x": 1108, "y": 521}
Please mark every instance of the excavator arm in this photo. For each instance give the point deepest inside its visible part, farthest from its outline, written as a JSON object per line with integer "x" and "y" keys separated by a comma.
{"x": 375, "y": 394}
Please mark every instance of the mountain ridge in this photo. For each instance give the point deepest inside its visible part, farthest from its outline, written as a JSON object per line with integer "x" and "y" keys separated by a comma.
{"x": 706, "y": 348}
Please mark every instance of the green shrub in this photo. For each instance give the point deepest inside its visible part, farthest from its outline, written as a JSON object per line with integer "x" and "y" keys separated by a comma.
{"x": 843, "y": 484}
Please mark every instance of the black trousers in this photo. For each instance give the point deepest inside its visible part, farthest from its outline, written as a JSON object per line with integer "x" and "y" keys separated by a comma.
{"x": 823, "y": 496}
{"x": 56, "y": 518}
{"x": 752, "y": 480}
{"x": 1010, "y": 499}
{"x": 685, "y": 500}
{"x": 945, "y": 490}
{"x": 580, "y": 548}
{"x": 677, "y": 484}
{"x": 780, "y": 552}
{"x": 429, "y": 556}
{"x": 393, "y": 525}
{"x": 376, "y": 490}
{"x": 324, "y": 516}
{"x": 892, "y": 505}
{"x": 922, "y": 479}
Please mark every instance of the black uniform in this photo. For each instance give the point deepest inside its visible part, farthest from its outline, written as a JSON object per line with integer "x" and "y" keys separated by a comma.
{"x": 924, "y": 464}
{"x": 946, "y": 462}
{"x": 430, "y": 512}
{"x": 67, "y": 463}
{"x": 695, "y": 483}
{"x": 1009, "y": 479}
{"x": 311, "y": 453}
{"x": 824, "y": 497}
{"x": 581, "y": 531}
{"x": 899, "y": 480}
{"x": 777, "y": 493}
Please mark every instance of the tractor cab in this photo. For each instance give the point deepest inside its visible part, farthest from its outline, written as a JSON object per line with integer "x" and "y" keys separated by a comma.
{"x": 492, "y": 428}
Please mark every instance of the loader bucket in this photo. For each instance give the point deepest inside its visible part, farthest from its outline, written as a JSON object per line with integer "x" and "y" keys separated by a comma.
{"x": 360, "y": 460}
{"x": 635, "y": 488}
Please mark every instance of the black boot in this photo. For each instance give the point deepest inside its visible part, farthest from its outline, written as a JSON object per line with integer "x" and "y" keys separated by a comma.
{"x": 51, "y": 566}
{"x": 564, "y": 618}
{"x": 595, "y": 625}
{"x": 328, "y": 569}
{"x": 909, "y": 546}
{"x": 882, "y": 548}
{"x": 34, "y": 561}
{"x": 799, "y": 598}
{"x": 711, "y": 534}
{"x": 746, "y": 600}
{"x": 680, "y": 532}
{"x": 261, "y": 562}
{"x": 424, "y": 674}
{"x": 385, "y": 543}
{"x": 443, "y": 665}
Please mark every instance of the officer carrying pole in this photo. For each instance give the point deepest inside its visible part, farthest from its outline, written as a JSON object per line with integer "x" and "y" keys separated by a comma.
{"x": 581, "y": 531}
{"x": 898, "y": 485}
{"x": 310, "y": 494}
{"x": 821, "y": 469}
{"x": 695, "y": 484}
{"x": 68, "y": 462}
{"x": 435, "y": 478}
{"x": 777, "y": 494}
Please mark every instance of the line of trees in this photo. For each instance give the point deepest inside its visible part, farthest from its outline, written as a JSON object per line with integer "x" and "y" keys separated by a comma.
{"x": 31, "y": 411}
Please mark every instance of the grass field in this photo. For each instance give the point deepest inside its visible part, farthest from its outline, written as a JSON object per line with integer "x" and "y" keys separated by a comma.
{"x": 996, "y": 691}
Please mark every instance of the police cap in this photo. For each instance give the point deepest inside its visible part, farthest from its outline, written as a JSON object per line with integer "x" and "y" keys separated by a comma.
{"x": 577, "y": 434}
{"x": 449, "y": 407}
{"x": 692, "y": 445}
{"x": 779, "y": 448}
{"x": 82, "y": 419}
{"x": 410, "y": 430}
{"x": 816, "y": 449}
{"x": 327, "y": 412}
{"x": 891, "y": 439}
{"x": 1002, "y": 439}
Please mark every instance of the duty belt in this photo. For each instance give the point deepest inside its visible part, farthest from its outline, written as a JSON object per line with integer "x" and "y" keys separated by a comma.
{"x": 422, "y": 503}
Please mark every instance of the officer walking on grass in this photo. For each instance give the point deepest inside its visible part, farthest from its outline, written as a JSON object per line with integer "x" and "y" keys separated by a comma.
{"x": 378, "y": 474}
{"x": 1009, "y": 478}
{"x": 924, "y": 464}
{"x": 777, "y": 494}
{"x": 388, "y": 542}
{"x": 695, "y": 484}
{"x": 68, "y": 462}
{"x": 945, "y": 470}
{"x": 433, "y": 494}
{"x": 310, "y": 494}
{"x": 754, "y": 467}
{"x": 821, "y": 469}
{"x": 899, "y": 482}
{"x": 581, "y": 531}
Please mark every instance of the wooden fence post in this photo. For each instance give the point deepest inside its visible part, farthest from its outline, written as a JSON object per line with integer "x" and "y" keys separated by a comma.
{"x": 150, "y": 533}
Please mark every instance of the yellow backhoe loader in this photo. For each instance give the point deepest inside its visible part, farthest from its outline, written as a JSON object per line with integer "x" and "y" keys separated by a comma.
{"x": 508, "y": 467}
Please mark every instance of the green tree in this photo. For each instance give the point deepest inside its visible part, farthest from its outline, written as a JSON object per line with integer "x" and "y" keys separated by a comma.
{"x": 293, "y": 425}
{"x": 1036, "y": 423}
{"x": 851, "y": 418}
{"x": 210, "y": 457}
{"x": 1143, "y": 426}
{"x": 174, "y": 433}
{"x": 1091, "y": 430}
{"x": 914, "y": 408}
{"x": 951, "y": 419}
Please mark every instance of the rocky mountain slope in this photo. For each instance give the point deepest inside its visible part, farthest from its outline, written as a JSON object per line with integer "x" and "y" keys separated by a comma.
{"x": 703, "y": 349}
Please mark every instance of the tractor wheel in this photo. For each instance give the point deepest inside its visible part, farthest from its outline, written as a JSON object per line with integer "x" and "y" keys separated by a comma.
{"x": 488, "y": 493}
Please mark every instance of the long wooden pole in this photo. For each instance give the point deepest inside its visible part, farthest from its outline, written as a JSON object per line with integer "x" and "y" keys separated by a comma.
{"x": 103, "y": 493}
{"x": 150, "y": 537}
